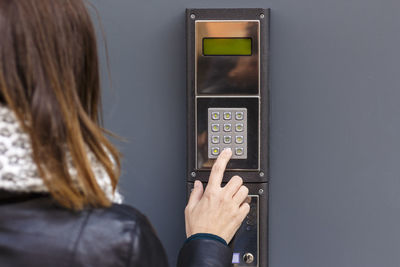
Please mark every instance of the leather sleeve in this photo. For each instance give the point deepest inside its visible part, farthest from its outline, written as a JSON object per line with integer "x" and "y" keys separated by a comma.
{"x": 147, "y": 250}
{"x": 205, "y": 253}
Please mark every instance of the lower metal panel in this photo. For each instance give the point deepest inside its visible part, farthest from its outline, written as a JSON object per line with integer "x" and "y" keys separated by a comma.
{"x": 253, "y": 239}
{"x": 245, "y": 244}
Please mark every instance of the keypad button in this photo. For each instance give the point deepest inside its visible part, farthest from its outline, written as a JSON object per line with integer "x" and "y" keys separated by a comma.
{"x": 215, "y": 139}
{"x": 227, "y": 127}
{"x": 215, "y": 127}
{"x": 215, "y": 151}
{"x": 239, "y": 151}
{"x": 239, "y": 127}
{"x": 215, "y": 115}
{"x": 239, "y": 115}
{"x": 227, "y": 139}
{"x": 239, "y": 139}
{"x": 227, "y": 115}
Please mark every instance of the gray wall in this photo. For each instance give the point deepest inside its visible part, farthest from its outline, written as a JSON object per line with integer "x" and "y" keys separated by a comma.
{"x": 335, "y": 124}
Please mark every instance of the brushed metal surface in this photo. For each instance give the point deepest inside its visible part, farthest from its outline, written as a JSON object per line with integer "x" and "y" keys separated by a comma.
{"x": 227, "y": 75}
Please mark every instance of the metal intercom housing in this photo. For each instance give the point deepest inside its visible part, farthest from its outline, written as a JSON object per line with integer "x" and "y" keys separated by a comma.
{"x": 228, "y": 106}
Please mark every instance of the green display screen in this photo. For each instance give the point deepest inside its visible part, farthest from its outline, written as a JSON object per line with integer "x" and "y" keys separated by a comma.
{"x": 227, "y": 46}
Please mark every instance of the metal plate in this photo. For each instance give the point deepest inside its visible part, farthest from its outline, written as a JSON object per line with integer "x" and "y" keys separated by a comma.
{"x": 227, "y": 74}
{"x": 246, "y": 241}
{"x": 251, "y": 162}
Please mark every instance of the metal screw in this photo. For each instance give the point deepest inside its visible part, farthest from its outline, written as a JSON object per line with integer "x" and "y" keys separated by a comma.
{"x": 193, "y": 174}
{"x": 192, "y": 16}
{"x": 261, "y": 174}
{"x": 262, "y": 16}
{"x": 260, "y": 192}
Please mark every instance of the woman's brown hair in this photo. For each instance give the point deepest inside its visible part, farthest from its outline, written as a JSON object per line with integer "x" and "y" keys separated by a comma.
{"x": 49, "y": 76}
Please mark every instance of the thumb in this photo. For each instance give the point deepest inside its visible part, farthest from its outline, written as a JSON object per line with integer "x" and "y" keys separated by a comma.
{"x": 196, "y": 194}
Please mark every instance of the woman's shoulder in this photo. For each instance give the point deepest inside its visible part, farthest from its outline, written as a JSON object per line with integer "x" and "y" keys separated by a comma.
{"x": 115, "y": 236}
{"x": 31, "y": 207}
{"x": 123, "y": 212}
{"x": 124, "y": 231}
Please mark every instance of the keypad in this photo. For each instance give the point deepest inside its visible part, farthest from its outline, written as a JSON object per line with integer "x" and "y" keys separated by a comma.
{"x": 227, "y": 127}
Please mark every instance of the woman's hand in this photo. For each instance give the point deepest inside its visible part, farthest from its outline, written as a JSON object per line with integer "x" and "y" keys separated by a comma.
{"x": 219, "y": 210}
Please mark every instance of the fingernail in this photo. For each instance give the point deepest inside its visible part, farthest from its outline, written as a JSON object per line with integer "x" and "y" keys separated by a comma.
{"x": 228, "y": 149}
{"x": 196, "y": 183}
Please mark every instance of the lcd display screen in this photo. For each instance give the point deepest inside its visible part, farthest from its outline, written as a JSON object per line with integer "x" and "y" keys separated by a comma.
{"x": 227, "y": 46}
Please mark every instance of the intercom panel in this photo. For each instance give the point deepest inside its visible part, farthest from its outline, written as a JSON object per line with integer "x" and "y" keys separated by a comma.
{"x": 227, "y": 81}
{"x": 228, "y": 107}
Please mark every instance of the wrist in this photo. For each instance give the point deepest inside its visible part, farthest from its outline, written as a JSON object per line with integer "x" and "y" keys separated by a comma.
{"x": 206, "y": 236}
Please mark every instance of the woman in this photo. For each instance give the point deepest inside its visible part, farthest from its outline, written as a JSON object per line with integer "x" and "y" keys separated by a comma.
{"x": 59, "y": 173}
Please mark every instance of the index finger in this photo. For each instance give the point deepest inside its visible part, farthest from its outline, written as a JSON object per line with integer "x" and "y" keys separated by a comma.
{"x": 217, "y": 171}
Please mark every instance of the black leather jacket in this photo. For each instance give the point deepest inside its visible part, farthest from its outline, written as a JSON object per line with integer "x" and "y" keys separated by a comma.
{"x": 34, "y": 231}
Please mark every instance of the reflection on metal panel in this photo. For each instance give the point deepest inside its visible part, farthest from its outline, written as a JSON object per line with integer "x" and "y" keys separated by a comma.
{"x": 227, "y": 74}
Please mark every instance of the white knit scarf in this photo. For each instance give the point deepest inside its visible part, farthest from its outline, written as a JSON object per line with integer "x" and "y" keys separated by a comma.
{"x": 18, "y": 172}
